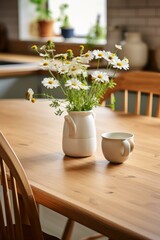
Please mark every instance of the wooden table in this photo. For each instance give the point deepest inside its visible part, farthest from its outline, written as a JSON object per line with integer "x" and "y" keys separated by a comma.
{"x": 121, "y": 201}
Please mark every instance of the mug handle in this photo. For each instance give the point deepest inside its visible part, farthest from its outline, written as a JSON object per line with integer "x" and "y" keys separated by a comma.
{"x": 128, "y": 147}
{"x": 131, "y": 144}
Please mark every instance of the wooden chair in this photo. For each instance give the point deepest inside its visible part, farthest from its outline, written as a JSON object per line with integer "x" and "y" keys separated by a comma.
{"x": 15, "y": 187}
{"x": 139, "y": 82}
{"x": 17, "y": 193}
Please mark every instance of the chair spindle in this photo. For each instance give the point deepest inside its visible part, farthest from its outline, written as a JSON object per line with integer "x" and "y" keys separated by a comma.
{"x": 150, "y": 103}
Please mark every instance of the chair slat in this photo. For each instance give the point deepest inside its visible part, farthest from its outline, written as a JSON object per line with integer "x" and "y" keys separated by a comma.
{"x": 7, "y": 202}
{"x": 2, "y": 226}
{"x": 12, "y": 164}
{"x": 150, "y": 103}
{"x": 126, "y": 101}
{"x": 17, "y": 216}
{"x": 158, "y": 107}
{"x": 137, "y": 81}
{"x": 138, "y": 103}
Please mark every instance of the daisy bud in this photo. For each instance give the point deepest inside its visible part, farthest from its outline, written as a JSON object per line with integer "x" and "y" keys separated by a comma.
{"x": 29, "y": 94}
{"x": 33, "y": 100}
{"x": 34, "y": 47}
{"x": 70, "y": 53}
{"x": 81, "y": 49}
{"x": 50, "y": 43}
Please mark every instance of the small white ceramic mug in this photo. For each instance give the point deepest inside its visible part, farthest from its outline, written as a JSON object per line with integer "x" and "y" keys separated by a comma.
{"x": 117, "y": 146}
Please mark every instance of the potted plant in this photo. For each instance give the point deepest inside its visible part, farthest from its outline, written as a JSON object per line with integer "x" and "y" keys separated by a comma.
{"x": 67, "y": 30}
{"x": 96, "y": 33}
{"x": 44, "y": 18}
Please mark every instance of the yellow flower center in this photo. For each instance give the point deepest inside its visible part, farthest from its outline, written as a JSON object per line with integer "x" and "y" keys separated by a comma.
{"x": 100, "y": 76}
{"x": 50, "y": 81}
{"x": 111, "y": 56}
{"x": 100, "y": 54}
{"x": 45, "y": 64}
{"x": 119, "y": 64}
{"x": 68, "y": 62}
{"x": 74, "y": 68}
{"x": 87, "y": 55}
{"x": 126, "y": 60}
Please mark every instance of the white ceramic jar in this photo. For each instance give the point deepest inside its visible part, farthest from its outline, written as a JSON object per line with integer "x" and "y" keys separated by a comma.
{"x": 114, "y": 37}
{"x": 135, "y": 50}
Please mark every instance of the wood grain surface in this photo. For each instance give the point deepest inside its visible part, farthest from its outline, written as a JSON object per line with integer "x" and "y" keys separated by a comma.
{"x": 121, "y": 201}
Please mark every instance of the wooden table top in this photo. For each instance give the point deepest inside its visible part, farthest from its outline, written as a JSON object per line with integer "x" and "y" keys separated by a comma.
{"x": 121, "y": 201}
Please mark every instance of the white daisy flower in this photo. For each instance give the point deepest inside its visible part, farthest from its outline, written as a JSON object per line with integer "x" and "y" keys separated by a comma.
{"x": 55, "y": 65}
{"x": 100, "y": 76}
{"x": 110, "y": 57}
{"x": 62, "y": 69}
{"x": 50, "y": 83}
{"x": 98, "y": 53}
{"x": 118, "y": 64}
{"x": 119, "y": 47}
{"x": 29, "y": 94}
{"x": 77, "y": 59}
{"x": 75, "y": 69}
{"x": 86, "y": 57}
{"x": 125, "y": 63}
{"x": 73, "y": 84}
{"x": 45, "y": 64}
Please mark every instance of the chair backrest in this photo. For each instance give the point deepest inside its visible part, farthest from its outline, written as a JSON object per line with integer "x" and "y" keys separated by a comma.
{"x": 14, "y": 183}
{"x": 140, "y": 82}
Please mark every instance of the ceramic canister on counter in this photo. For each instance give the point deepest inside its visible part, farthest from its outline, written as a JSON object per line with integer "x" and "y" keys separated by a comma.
{"x": 135, "y": 50}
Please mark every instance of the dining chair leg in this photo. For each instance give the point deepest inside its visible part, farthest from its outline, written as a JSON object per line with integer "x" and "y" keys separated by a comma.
{"x": 68, "y": 230}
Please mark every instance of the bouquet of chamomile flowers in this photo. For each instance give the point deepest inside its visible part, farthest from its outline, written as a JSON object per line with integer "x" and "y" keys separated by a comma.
{"x": 82, "y": 89}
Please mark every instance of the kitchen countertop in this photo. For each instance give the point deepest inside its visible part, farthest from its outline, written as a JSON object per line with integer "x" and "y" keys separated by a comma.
{"x": 21, "y": 65}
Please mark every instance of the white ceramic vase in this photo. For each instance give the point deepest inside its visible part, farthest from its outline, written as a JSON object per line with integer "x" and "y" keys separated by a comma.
{"x": 135, "y": 50}
{"x": 79, "y": 134}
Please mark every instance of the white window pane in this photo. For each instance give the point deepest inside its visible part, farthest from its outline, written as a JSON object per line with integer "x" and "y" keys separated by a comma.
{"x": 82, "y": 13}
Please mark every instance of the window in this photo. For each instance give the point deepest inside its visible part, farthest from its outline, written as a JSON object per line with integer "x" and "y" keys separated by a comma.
{"x": 82, "y": 14}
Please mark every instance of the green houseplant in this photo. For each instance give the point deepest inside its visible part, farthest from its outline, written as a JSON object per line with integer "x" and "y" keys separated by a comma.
{"x": 96, "y": 33}
{"x": 44, "y": 18}
{"x": 67, "y": 31}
